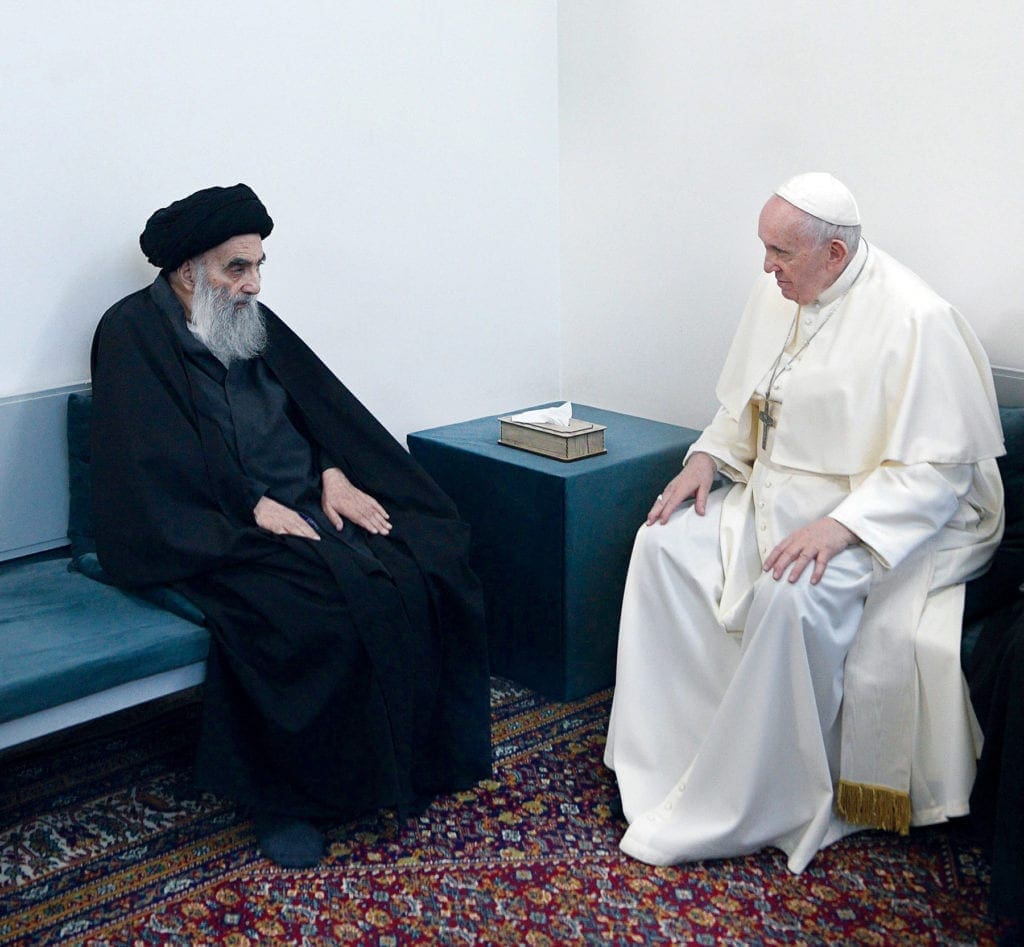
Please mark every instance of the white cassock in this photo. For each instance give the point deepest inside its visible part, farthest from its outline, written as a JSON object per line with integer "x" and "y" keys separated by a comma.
{"x": 744, "y": 706}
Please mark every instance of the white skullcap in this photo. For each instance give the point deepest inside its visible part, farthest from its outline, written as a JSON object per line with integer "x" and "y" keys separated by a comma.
{"x": 821, "y": 195}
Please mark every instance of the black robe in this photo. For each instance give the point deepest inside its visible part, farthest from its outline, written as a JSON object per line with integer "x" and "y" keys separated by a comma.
{"x": 996, "y": 675}
{"x": 338, "y": 681}
{"x": 994, "y": 665}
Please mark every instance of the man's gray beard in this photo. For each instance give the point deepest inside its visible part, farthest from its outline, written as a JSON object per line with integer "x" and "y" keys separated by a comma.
{"x": 229, "y": 326}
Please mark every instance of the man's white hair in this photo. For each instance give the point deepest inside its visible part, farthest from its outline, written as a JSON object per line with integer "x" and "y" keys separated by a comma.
{"x": 821, "y": 232}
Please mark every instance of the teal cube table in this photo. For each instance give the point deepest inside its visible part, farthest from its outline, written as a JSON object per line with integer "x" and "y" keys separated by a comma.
{"x": 551, "y": 540}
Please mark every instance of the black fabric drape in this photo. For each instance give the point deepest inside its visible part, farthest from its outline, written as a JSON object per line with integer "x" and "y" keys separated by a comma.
{"x": 996, "y": 675}
{"x": 337, "y": 681}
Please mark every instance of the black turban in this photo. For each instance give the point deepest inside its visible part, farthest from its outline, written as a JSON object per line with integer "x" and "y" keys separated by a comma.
{"x": 201, "y": 221}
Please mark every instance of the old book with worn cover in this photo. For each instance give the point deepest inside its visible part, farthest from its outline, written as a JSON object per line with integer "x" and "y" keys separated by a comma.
{"x": 573, "y": 442}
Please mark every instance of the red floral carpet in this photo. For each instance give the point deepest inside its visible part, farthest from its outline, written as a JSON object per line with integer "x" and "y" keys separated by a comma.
{"x": 102, "y": 842}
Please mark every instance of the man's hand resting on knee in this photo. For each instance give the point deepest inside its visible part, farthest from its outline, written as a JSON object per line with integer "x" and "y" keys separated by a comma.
{"x": 818, "y": 541}
{"x": 277, "y": 518}
{"x": 341, "y": 501}
{"x": 694, "y": 480}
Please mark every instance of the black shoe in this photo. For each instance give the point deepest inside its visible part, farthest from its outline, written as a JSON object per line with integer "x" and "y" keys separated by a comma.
{"x": 290, "y": 842}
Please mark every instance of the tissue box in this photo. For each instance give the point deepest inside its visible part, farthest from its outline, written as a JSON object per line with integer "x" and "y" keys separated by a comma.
{"x": 580, "y": 439}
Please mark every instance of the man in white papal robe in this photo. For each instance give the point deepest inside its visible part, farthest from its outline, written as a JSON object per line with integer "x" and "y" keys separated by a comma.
{"x": 788, "y": 667}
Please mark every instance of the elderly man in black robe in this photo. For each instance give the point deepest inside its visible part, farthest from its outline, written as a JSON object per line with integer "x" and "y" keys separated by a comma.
{"x": 347, "y": 669}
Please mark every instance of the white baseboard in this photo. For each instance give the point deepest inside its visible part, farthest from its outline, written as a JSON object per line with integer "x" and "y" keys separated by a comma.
{"x": 98, "y": 705}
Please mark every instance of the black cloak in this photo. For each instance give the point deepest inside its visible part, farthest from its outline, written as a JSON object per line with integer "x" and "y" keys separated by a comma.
{"x": 337, "y": 682}
{"x": 996, "y": 676}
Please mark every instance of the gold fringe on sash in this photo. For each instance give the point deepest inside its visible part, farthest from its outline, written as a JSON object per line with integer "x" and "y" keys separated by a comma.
{"x": 876, "y": 806}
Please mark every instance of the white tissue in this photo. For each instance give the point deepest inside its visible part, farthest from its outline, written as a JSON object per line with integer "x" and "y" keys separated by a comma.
{"x": 559, "y": 414}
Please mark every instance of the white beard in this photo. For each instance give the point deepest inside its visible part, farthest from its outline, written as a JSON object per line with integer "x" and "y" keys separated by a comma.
{"x": 229, "y": 326}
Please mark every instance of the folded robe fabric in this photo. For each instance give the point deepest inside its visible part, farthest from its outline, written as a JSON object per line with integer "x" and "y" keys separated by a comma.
{"x": 169, "y": 510}
{"x": 896, "y": 377}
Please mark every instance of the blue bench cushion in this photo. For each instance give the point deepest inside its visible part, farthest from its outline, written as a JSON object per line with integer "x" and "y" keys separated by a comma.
{"x": 80, "y": 529}
{"x": 64, "y": 636}
{"x": 80, "y": 522}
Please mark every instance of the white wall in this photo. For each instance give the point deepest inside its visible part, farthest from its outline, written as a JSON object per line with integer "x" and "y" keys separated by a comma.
{"x": 407, "y": 151}
{"x": 431, "y": 242}
{"x": 679, "y": 118}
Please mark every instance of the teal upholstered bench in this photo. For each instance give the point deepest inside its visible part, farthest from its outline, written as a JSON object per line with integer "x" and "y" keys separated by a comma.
{"x": 72, "y": 648}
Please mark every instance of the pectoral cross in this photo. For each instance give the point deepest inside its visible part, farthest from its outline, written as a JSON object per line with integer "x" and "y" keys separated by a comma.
{"x": 767, "y": 421}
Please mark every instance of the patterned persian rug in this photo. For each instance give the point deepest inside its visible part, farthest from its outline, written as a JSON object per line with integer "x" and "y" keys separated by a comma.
{"x": 102, "y": 842}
